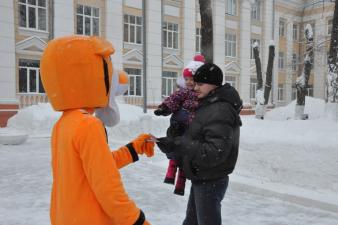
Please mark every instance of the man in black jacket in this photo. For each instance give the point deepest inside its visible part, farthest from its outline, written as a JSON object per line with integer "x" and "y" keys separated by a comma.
{"x": 209, "y": 148}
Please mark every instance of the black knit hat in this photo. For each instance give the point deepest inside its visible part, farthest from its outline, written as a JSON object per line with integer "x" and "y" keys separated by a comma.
{"x": 209, "y": 73}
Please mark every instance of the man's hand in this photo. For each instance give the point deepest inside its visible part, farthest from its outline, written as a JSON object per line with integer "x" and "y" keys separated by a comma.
{"x": 166, "y": 144}
{"x": 143, "y": 146}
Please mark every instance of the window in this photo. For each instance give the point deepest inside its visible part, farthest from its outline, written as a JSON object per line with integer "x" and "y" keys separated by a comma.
{"x": 135, "y": 82}
{"x": 198, "y": 40}
{"x": 168, "y": 82}
{"x": 281, "y": 28}
{"x": 253, "y": 41}
{"x": 29, "y": 77}
{"x": 329, "y": 26}
{"x": 87, "y": 20}
{"x": 280, "y": 96}
{"x": 253, "y": 88}
{"x": 295, "y": 32}
{"x": 230, "y": 80}
{"x": 294, "y": 62}
{"x": 230, "y": 45}
{"x": 33, "y": 14}
{"x": 310, "y": 90}
{"x": 281, "y": 60}
{"x": 170, "y": 35}
{"x": 132, "y": 29}
{"x": 231, "y": 7}
{"x": 256, "y": 11}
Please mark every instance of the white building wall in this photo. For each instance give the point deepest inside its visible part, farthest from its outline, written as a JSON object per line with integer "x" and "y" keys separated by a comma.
{"x": 189, "y": 30}
{"x": 114, "y": 30}
{"x": 154, "y": 51}
{"x": 319, "y": 57}
{"x": 7, "y": 53}
{"x": 245, "y": 33}
{"x": 63, "y": 18}
{"x": 288, "y": 69}
{"x": 219, "y": 32}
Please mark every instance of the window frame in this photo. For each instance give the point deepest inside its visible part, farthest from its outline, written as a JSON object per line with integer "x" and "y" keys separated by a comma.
{"x": 174, "y": 33}
{"x": 253, "y": 88}
{"x": 36, "y": 8}
{"x": 168, "y": 77}
{"x": 282, "y": 24}
{"x": 133, "y": 74}
{"x": 198, "y": 40}
{"x": 231, "y": 7}
{"x": 329, "y": 26}
{"x": 295, "y": 32}
{"x": 281, "y": 93}
{"x": 231, "y": 79}
{"x": 137, "y": 29}
{"x": 39, "y": 89}
{"x": 91, "y": 20}
{"x": 230, "y": 45}
{"x": 281, "y": 61}
{"x": 255, "y": 12}
{"x": 294, "y": 61}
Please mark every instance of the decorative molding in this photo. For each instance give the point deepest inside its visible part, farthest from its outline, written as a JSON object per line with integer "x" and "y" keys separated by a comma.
{"x": 31, "y": 46}
{"x": 134, "y": 57}
{"x": 173, "y": 61}
{"x": 232, "y": 67}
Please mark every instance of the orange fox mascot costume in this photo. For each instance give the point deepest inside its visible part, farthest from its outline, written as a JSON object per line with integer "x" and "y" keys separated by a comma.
{"x": 76, "y": 72}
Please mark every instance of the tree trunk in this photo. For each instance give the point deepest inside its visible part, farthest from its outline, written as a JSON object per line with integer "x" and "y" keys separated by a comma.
{"x": 207, "y": 42}
{"x": 302, "y": 81}
{"x": 332, "y": 75}
{"x": 268, "y": 79}
{"x": 258, "y": 68}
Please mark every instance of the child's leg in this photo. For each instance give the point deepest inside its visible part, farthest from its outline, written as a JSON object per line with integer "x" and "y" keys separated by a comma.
{"x": 180, "y": 183}
{"x": 171, "y": 172}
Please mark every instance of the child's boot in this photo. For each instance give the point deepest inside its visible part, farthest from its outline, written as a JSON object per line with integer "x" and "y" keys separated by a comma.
{"x": 171, "y": 172}
{"x": 180, "y": 183}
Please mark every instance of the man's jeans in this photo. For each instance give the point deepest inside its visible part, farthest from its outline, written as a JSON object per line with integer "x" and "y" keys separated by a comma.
{"x": 204, "y": 205}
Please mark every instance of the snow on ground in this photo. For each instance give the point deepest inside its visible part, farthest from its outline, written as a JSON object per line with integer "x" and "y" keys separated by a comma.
{"x": 279, "y": 154}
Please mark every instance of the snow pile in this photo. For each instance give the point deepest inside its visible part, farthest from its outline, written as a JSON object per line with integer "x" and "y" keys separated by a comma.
{"x": 40, "y": 119}
{"x": 34, "y": 119}
{"x": 314, "y": 107}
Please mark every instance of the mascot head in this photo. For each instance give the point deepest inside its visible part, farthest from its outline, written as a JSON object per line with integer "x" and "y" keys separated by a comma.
{"x": 76, "y": 72}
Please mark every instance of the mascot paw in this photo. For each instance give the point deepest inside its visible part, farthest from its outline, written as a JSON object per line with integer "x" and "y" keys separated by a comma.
{"x": 143, "y": 146}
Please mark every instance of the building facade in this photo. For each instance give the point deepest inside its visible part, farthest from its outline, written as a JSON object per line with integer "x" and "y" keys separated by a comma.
{"x": 173, "y": 37}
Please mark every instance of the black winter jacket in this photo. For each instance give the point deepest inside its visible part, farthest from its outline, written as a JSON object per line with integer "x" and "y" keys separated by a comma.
{"x": 209, "y": 148}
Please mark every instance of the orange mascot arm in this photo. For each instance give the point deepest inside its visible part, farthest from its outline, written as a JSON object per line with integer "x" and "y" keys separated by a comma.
{"x": 129, "y": 153}
{"x": 102, "y": 173}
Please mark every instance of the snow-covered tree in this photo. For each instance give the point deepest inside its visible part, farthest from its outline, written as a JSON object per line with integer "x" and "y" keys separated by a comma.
{"x": 303, "y": 79}
{"x": 262, "y": 94}
{"x": 207, "y": 40}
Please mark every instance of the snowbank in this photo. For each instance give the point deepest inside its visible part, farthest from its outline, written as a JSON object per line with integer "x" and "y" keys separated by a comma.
{"x": 314, "y": 107}
{"x": 40, "y": 119}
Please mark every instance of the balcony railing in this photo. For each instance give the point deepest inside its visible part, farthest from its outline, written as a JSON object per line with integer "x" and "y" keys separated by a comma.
{"x": 31, "y": 99}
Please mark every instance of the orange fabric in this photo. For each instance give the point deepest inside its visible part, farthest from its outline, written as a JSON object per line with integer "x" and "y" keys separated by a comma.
{"x": 87, "y": 187}
{"x": 72, "y": 72}
{"x": 141, "y": 145}
{"x": 123, "y": 77}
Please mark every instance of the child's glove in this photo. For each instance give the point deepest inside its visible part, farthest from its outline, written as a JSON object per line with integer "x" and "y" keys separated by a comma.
{"x": 143, "y": 146}
{"x": 162, "y": 111}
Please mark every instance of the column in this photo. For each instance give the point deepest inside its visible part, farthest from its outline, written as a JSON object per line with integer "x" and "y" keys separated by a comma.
{"x": 154, "y": 51}
{"x": 114, "y": 30}
{"x": 64, "y": 17}
{"x": 219, "y": 32}
{"x": 189, "y": 30}
{"x": 274, "y": 90}
{"x": 245, "y": 34}
{"x": 267, "y": 19}
{"x": 289, "y": 52}
{"x": 320, "y": 68}
{"x": 7, "y": 53}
